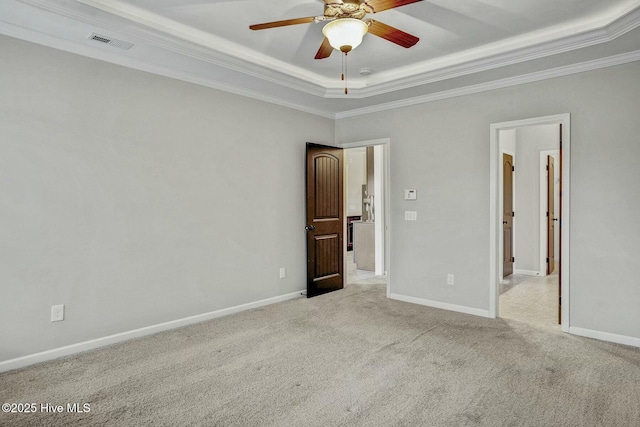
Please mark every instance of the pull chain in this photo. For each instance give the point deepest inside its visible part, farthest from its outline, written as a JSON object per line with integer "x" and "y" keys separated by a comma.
{"x": 344, "y": 73}
{"x": 346, "y": 91}
{"x": 345, "y": 49}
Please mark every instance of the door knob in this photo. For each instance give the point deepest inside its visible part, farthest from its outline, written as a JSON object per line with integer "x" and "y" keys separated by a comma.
{"x": 504, "y": 222}
{"x": 310, "y": 228}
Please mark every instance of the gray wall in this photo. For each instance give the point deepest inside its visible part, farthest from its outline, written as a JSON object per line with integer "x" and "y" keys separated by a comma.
{"x": 442, "y": 150}
{"x": 135, "y": 199}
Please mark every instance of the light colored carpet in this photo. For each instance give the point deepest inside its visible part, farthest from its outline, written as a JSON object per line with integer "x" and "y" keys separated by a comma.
{"x": 347, "y": 358}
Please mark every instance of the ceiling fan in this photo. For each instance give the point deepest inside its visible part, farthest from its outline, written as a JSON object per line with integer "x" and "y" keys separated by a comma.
{"x": 346, "y": 28}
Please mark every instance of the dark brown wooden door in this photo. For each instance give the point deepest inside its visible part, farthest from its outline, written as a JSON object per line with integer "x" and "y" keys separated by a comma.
{"x": 550, "y": 215}
{"x": 507, "y": 214}
{"x": 324, "y": 219}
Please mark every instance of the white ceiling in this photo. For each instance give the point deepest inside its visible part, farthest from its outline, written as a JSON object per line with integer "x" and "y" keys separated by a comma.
{"x": 465, "y": 45}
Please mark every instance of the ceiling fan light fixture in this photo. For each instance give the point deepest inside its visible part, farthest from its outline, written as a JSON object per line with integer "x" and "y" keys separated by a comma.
{"x": 345, "y": 34}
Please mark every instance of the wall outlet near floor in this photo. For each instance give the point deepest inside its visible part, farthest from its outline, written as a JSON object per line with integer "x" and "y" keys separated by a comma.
{"x": 57, "y": 313}
{"x": 450, "y": 279}
{"x": 283, "y": 273}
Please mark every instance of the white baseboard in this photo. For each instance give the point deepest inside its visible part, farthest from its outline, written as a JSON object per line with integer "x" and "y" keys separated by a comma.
{"x": 55, "y": 353}
{"x": 527, "y": 272}
{"x": 605, "y": 336}
{"x": 442, "y": 305}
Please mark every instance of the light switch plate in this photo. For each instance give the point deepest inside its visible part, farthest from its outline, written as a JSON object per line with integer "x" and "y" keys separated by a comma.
{"x": 410, "y": 195}
{"x": 410, "y": 215}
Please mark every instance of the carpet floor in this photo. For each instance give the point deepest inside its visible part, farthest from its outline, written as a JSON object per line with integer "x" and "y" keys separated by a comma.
{"x": 349, "y": 358}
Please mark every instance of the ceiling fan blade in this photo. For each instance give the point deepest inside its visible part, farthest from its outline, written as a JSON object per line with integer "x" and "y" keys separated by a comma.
{"x": 380, "y": 5}
{"x": 284, "y": 23}
{"x": 392, "y": 34}
{"x": 325, "y": 49}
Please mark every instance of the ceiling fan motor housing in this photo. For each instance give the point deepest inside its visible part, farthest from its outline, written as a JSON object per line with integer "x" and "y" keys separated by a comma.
{"x": 347, "y": 9}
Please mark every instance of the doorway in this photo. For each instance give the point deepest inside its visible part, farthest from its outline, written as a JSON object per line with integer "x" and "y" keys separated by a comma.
{"x": 366, "y": 212}
{"x": 529, "y": 289}
{"x": 529, "y": 267}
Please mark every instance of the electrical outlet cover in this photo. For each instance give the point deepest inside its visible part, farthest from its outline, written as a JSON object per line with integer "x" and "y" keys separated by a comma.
{"x": 57, "y": 313}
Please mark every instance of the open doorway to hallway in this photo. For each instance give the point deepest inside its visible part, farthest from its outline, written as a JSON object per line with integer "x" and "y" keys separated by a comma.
{"x": 531, "y": 291}
{"x": 365, "y": 206}
{"x": 529, "y": 284}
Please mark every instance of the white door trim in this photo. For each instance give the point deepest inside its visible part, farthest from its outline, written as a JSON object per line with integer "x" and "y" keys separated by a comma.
{"x": 386, "y": 235}
{"x": 495, "y": 220}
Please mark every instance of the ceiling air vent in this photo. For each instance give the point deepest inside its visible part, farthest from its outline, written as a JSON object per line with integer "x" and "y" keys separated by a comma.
{"x": 108, "y": 40}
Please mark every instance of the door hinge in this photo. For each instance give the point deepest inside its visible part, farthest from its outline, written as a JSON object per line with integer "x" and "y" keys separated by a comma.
{"x": 547, "y": 214}
{"x": 513, "y": 214}
{"x": 513, "y": 259}
{"x": 547, "y": 260}
{"x": 513, "y": 168}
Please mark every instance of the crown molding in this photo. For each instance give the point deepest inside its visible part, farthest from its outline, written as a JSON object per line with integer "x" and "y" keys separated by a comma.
{"x": 118, "y": 59}
{"x": 615, "y": 29}
{"x": 201, "y": 53}
{"x": 205, "y": 54}
{"x": 196, "y": 44}
{"x": 566, "y": 70}
{"x": 176, "y": 37}
{"x": 624, "y": 24}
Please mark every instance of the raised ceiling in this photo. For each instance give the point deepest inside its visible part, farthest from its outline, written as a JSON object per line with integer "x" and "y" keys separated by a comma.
{"x": 465, "y": 45}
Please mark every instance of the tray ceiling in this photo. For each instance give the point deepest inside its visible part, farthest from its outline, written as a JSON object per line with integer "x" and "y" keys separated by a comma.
{"x": 464, "y": 45}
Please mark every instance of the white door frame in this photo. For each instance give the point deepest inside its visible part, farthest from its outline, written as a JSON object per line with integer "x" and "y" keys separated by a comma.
{"x": 385, "y": 232}
{"x": 495, "y": 216}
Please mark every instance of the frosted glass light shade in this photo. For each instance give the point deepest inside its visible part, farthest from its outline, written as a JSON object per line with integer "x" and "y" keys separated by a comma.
{"x": 345, "y": 34}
